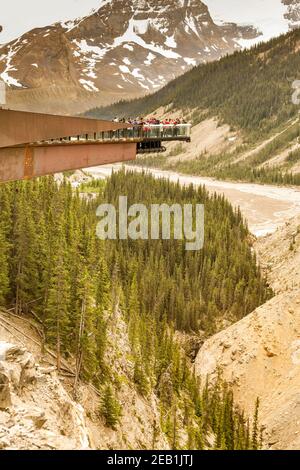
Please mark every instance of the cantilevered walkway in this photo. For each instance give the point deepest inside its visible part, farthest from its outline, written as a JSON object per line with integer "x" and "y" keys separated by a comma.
{"x": 34, "y": 144}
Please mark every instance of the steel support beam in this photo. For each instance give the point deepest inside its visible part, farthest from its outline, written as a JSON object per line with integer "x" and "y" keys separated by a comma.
{"x": 19, "y": 127}
{"x": 18, "y": 163}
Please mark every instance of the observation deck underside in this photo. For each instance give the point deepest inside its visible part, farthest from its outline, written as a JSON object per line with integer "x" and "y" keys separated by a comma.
{"x": 40, "y": 144}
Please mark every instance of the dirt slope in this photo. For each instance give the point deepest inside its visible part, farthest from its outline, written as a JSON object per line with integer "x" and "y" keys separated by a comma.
{"x": 260, "y": 355}
{"x": 209, "y": 137}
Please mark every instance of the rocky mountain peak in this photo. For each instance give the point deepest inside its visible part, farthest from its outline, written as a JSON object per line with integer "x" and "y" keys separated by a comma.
{"x": 122, "y": 50}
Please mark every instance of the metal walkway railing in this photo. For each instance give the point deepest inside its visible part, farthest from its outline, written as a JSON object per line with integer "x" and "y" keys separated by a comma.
{"x": 157, "y": 132}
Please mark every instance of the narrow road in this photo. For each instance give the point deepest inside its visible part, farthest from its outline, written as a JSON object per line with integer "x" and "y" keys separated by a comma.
{"x": 265, "y": 207}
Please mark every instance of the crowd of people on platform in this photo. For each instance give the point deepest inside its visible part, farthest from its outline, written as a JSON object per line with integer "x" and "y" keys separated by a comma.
{"x": 152, "y": 121}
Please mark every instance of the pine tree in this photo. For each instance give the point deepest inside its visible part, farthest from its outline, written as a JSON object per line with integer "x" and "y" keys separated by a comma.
{"x": 111, "y": 408}
{"x": 255, "y": 430}
{"x": 5, "y": 246}
{"x": 155, "y": 433}
{"x": 133, "y": 314}
{"x": 57, "y": 308}
{"x": 175, "y": 442}
{"x": 140, "y": 378}
{"x": 104, "y": 308}
{"x": 86, "y": 337}
{"x": 21, "y": 244}
{"x": 4, "y": 267}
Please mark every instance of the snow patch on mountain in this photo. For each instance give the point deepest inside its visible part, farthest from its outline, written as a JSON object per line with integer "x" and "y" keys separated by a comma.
{"x": 190, "y": 61}
{"x": 150, "y": 58}
{"x": 191, "y": 25}
{"x": 132, "y": 34}
{"x": 88, "y": 85}
{"x": 170, "y": 42}
{"x": 6, "y": 76}
{"x": 91, "y": 55}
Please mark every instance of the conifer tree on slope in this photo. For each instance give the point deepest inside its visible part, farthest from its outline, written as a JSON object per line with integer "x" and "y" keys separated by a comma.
{"x": 57, "y": 307}
{"x": 86, "y": 351}
{"x": 4, "y": 271}
{"x": 111, "y": 408}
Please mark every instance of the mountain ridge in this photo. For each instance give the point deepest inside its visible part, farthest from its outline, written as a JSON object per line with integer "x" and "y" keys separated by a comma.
{"x": 245, "y": 122}
{"x": 112, "y": 55}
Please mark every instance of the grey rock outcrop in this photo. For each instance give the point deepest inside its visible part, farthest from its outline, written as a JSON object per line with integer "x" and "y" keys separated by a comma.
{"x": 36, "y": 411}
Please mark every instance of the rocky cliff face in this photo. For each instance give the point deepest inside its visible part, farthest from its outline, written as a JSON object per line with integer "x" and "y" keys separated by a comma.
{"x": 36, "y": 412}
{"x": 260, "y": 355}
{"x": 123, "y": 50}
{"x": 37, "y": 407}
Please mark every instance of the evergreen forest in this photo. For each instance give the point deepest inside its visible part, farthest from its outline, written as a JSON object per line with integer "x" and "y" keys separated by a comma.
{"x": 52, "y": 265}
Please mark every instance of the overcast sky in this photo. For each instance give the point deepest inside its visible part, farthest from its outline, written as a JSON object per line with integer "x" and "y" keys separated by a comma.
{"x": 267, "y": 15}
{"x": 19, "y": 16}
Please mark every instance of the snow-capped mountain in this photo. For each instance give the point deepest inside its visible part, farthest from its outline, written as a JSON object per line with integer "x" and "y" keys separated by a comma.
{"x": 124, "y": 49}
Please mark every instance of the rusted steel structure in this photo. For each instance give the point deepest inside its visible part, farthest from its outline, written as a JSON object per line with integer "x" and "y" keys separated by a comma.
{"x": 34, "y": 144}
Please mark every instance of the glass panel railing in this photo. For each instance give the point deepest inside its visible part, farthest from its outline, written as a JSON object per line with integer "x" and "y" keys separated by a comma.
{"x": 151, "y": 131}
{"x": 147, "y": 131}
